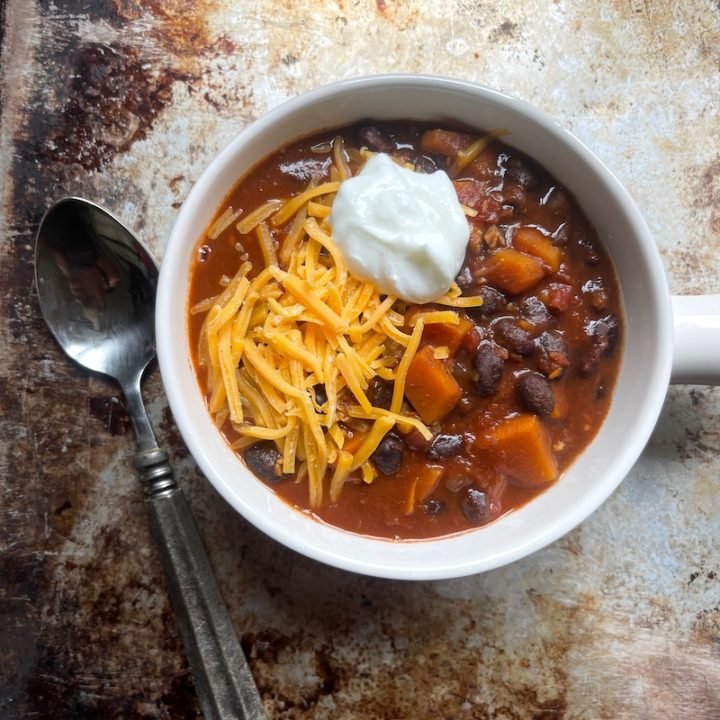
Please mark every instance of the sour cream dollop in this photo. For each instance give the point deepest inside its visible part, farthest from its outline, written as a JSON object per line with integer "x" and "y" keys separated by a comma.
{"x": 401, "y": 230}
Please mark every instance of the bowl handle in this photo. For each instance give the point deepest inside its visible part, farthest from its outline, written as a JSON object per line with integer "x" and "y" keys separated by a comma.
{"x": 696, "y": 356}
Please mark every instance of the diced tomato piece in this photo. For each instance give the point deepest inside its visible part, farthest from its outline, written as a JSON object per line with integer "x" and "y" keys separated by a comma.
{"x": 470, "y": 192}
{"x": 488, "y": 209}
{"x": 476, "y": 195}
{"x": 557, "y": 296}
{"x": 471, "y": 341}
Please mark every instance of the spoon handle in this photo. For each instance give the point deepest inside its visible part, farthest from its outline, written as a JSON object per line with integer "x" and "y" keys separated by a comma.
{"x": 222, "y": 676}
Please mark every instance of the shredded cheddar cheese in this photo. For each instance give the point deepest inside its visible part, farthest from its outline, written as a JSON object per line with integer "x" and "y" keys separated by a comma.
{"x": 446, "y": 317}
{"x": 223, "y": 222}
{"x": 301, "y": 320}
{"x": 251, "y": 221}
{"x": 401, "y": 374}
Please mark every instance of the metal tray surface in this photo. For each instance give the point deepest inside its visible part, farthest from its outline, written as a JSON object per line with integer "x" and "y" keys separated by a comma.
{"x": 125, "y": 102}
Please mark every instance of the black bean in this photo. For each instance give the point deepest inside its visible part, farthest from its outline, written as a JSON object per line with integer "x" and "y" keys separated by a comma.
{"x": 515, "y": 196}
{"x": 557, "y": 202}
{"x": 600, "y": 390}
{"x": 380, "y": 392}
{"x": 375, "y": 140}
{"x": 535, "y": 311}
{"x": 551, "y": 353}
{"x": 522, "y": 173}
{"x": 433, "y": 507}
{"x": 493, "y": 301}
{"x": 561, "y": 235}
{"x": 462, "y": 369}
{"x": 263, "y": 458}
{"x": 464, "y": 279}
{"x": 552, "y": 341}
{"x": 606, "y": 326}
{"x": 604, "y": 336}
{"x": 535, "y": 394}
{"x": 511, "y": 336}
{"x": 478, "y": 507}
{"x": 590, "y": 362}
{"x": 599, "y": 299}
{"x": 444, "y": 446}
{"x": 424, "y": 164}
{"x": 489, "y": 364}
{"x": 320, "y": 394}
{"x": 389, "y": 454}
{"x": 588, "y": 252}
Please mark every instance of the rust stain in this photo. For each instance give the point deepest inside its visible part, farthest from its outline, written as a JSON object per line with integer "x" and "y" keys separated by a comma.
{"x": 707, "y": 194}
{"x": 693, "y": 268}
{"x": 506, "y": 30}
{"x": 178, "y": 28}
{"x": 112, "y": 100}
{"x": 111, "y": 413}
{"x": 402, "y": 16}
{"x": 3, "y": 23}
{"x": 706, "y": 629}
{"x": 676, "y": 680}
{"x": 114, "y": 93}
{"x": 72, "y": 580}
{"x": 169, "y": 430}
{"x": 413, "y": 639}
{"x": 55, "y": 554}
{"x": 572, "y": 543}
{"x": 642, "y": 670}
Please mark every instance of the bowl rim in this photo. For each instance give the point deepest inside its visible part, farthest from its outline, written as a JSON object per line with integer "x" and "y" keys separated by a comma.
{"x": 376, "y": 562}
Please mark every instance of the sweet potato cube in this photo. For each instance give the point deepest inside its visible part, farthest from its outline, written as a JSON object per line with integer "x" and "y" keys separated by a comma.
{"x": 352, "y": 444}
{"x": 445, "y": 142}
{"x": 445, "y": 334}
{"x": 520, "y": 448}
{"x": 532, "y": 242}
{"x": 425, "y": 481}
{"x": 430, "y": 386}
{"x": 513, "y": 271}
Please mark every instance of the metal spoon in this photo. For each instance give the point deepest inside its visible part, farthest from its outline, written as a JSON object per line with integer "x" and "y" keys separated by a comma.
{"x": 96, "y": 286}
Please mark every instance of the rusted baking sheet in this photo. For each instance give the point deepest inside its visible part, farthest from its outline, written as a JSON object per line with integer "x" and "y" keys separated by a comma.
{"x": 125, "y": 102}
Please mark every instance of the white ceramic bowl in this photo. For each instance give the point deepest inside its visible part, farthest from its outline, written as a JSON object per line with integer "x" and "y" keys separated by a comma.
{"x": 646, "y": 362}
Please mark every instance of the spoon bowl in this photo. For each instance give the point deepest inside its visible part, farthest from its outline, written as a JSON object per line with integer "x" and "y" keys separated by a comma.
{"x": 96, "y": 286}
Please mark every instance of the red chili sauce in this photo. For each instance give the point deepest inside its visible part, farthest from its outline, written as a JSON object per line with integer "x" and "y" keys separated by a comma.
{"x": 535, "y": 364}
